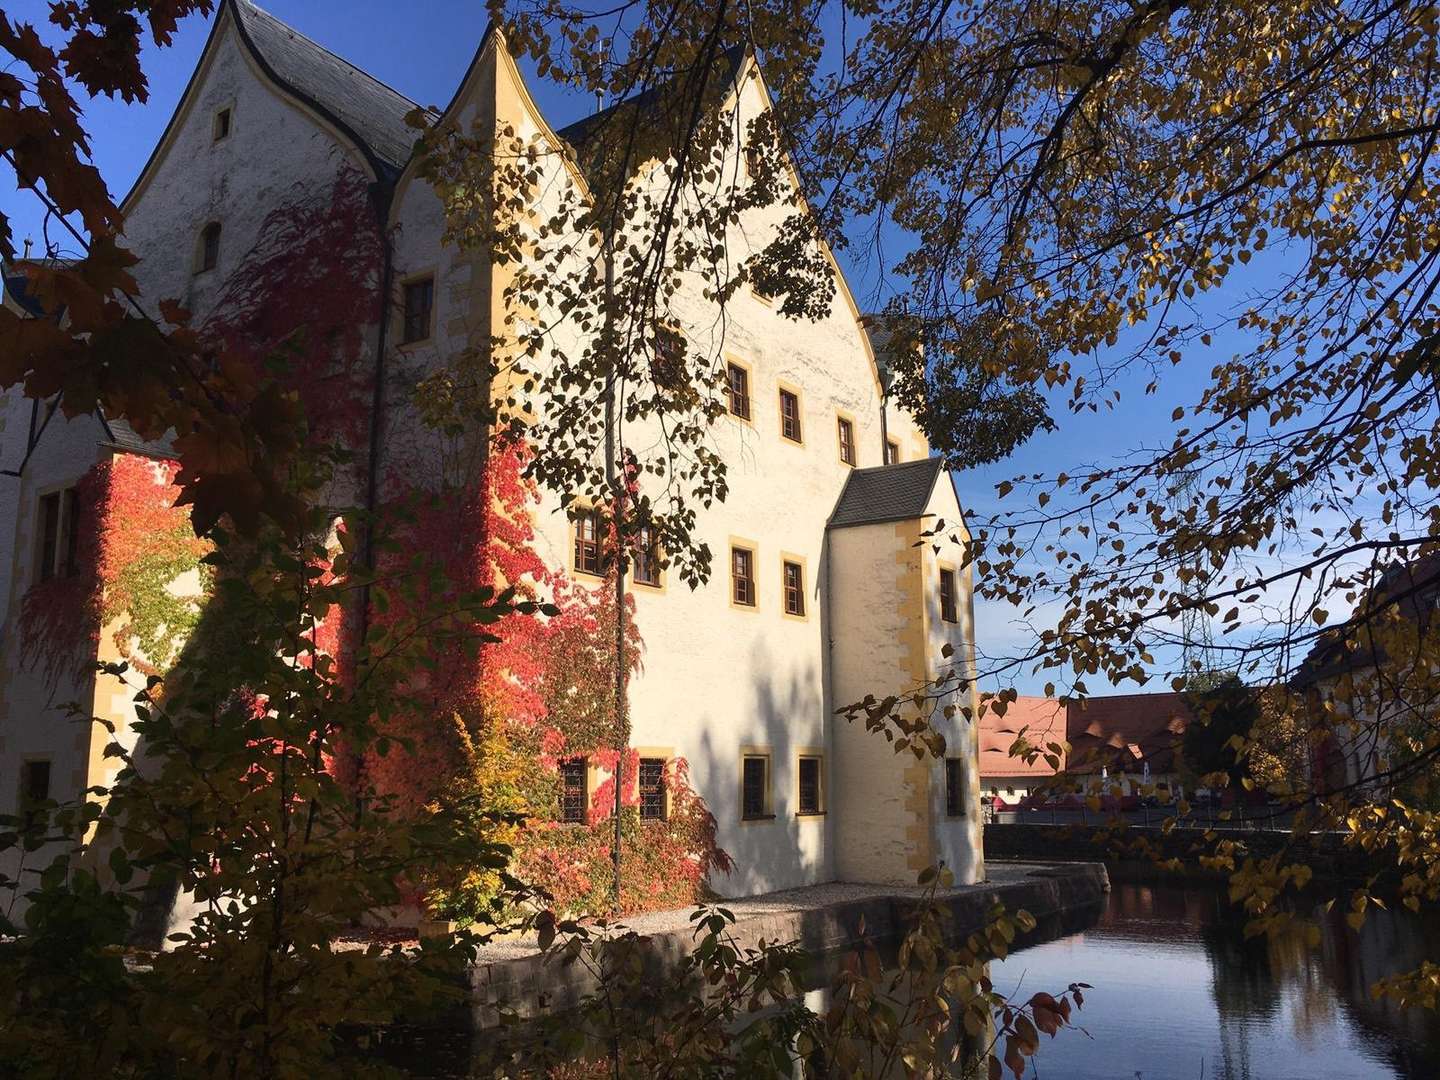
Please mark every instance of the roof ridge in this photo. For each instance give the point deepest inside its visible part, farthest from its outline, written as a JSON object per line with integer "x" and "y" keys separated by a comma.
{"x": 258, "y": 10}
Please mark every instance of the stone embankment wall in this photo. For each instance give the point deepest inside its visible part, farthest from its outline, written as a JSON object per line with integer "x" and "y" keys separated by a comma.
{"x": 1129, "y": 850}
{"x": 533, "y": 985}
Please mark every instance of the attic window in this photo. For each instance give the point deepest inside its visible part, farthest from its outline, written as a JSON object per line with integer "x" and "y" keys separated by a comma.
{"x": 222, "y": 125}
{"x": 209, "y": 247}
{"x": 419, "y": 300}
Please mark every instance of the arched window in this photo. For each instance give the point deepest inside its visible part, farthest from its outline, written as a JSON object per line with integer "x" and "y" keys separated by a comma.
{"x": 209, "y": 246}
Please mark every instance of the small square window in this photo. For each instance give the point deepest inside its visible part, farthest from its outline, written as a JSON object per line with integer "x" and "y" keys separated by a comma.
{"x": 954, "y": 794}
{"x": 419, "y": 299}
{"x": 742, "y": 576}
{"x": 846, "y": 431}
{"x": 222, "y": 125}
{"x": 755, "y": 787}
{"x": 646, "y": 560}
{"x": 652, "y": 789}
{"x": 811, "y": 789}
{"x": 587, "y": 542}
{"x": 737, "y": 389}
{"x": 947, "y": 596}
{"x": 892, "y": 452}
{"x": 794, "y": 589}
{"x": 573, "y": 793}
{"x": 790, "y": 415}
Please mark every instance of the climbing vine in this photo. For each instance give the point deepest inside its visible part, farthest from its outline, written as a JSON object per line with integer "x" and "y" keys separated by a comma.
{"x": 138, "y": 572}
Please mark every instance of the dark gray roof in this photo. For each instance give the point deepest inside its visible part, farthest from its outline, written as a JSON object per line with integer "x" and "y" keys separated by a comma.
{"x": 119, "y": 434}
{"x": 17, "y": 287}
{"x": 665, "y": 110}
{"x": 360, "y": 105}
{"x": 887, "y": 493}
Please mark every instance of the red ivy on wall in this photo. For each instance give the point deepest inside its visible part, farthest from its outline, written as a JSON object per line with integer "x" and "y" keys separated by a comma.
{"x": 133, "y": 544}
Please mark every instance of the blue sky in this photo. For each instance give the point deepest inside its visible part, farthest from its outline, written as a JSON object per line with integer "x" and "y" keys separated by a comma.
{"x": 424, "y": 58}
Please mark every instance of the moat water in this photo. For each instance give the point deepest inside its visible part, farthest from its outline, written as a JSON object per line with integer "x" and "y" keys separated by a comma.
{"x": 1180, "y": 994}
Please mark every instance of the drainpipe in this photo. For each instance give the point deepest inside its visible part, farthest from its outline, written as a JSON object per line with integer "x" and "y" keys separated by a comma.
{"x": 372, "y": 474}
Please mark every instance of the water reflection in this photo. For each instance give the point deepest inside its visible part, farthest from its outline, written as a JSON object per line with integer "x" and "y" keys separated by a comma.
{"x": 1180, "y": 993}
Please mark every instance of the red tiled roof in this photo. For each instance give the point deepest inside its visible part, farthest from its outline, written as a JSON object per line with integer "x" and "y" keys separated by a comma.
{"x": 1044, "y": 721}
{"x": 1123, "y": 731}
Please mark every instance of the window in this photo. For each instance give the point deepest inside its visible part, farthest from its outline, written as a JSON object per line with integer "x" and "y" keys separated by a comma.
{"x": 59, "y": 534}
{"x": 34, "y": 786}
{"x": 737, "y": 387}
{"x": 794, "y": 588}
{"x": 222, "y": 125}
{"x": 587, "y": 542}
{"x": 892, "y": 452}
{"x": 573, "y": 796}
{"x": 647, "y": 557}
{"x": 419, "y": 299}
{"x": 954, "y": 800}
{"x": 742, "y": 576}
{"x": 846, "y": 431}
{"x": 652, "y": 789}
{"x": 811, "y": 791}
{"x": 947, "y": 595}
{"x": 209, "y": 246}
{"x": 790, "y": 415}
{"x": 755, "y": 787}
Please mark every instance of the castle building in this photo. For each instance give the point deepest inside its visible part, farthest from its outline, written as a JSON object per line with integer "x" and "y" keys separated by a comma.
{"x": 825, "y": 587}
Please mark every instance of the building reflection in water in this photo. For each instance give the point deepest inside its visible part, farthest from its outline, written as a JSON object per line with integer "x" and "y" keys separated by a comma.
{"x": 1180, "y": 992}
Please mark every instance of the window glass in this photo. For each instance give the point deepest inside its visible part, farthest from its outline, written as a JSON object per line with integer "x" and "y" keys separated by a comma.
{"x": 810, "y": 785}
{"x": 210, "y": 246}
{"x": 572, "y": 790}
{"x": 790, "y": 415}
{"x": 222, "y": 124}
{"x": 646, "y": 561}
{"x": 742, "y": 576}
{"x": 419, "y": 299}
{"x": 847, "y": 441}
{"x": 794, "y": 589}
{"x": 754, "y": 787}
{"x": 947, "y": 596}
{"x": 652, "y": 789}
{"x": 587, "y": 542}
{"x": 954, "y": 804}
{"x": 737, "y": 387}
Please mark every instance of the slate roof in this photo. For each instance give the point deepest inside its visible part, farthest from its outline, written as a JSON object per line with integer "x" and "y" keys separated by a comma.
{"x": 610, "y": 127}
{"x": 367, "y": 110}
{"x": 886, "y": 493}
{"x": 119, "y": 434}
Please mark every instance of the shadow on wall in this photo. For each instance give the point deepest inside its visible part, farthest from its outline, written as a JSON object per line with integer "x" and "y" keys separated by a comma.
{"x": 785, "y": 850}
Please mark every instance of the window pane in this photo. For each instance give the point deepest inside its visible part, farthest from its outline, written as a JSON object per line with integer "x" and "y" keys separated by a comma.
{"x": 572, "y": 790}
{"x": 652, "y": 788}
{"x": 892, "y": 452}
{"x": 753, "y": 802}
{"x": 847, "y": 442}
{"x": 947, "y": 595}
{"x": 646, "y": 560}
{"x": 72, "y": 532}
{"x": 587, "y": 542}
{"x": 954, "y": 806}
{"x": 809, "y": 785}
{"x": 419, "y": 298}
{"x": 739, "y": 390}
{"x": 794, "y": 589}
{"x": 49, "y": 534}
{"x": 742, "y": 576}
{"x": 210, "y": 246}
{"x": 789, "y": 416}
